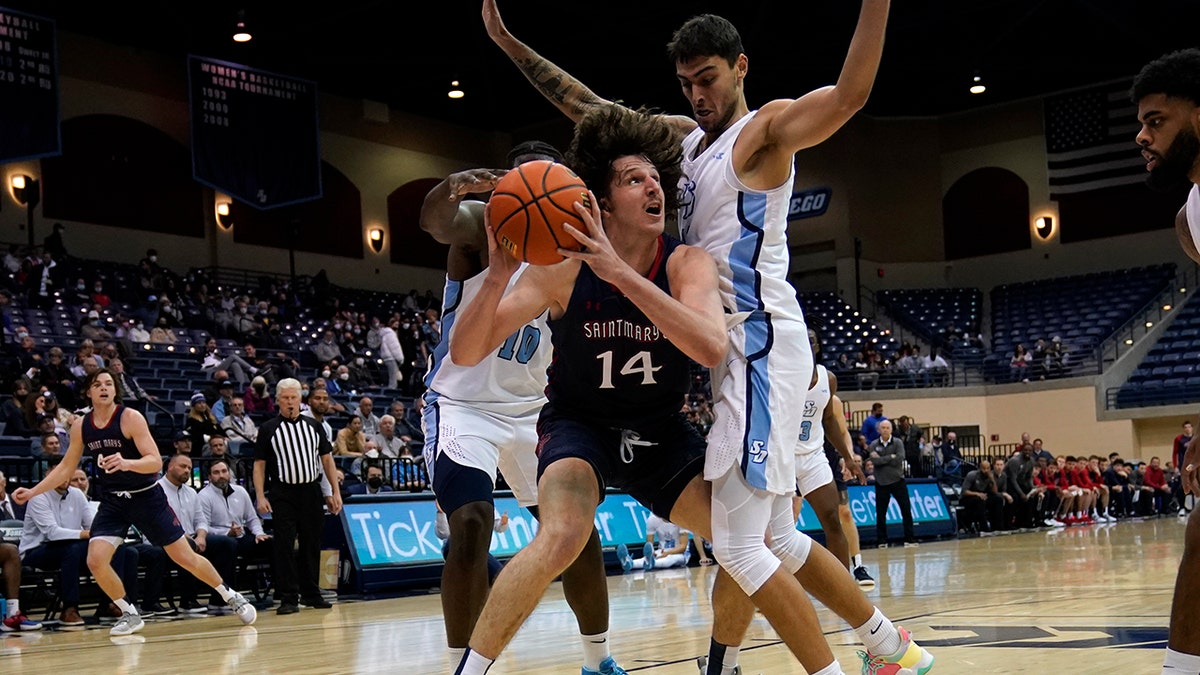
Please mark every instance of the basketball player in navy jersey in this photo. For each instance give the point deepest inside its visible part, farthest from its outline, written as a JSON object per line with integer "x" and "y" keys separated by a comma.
{"x": 118, "y": 441}
{"x": 1167, "y": 94}
{"x": 739, "y": 170}
{"x": 483, "y": 418}
{"x": 628, "y": 314}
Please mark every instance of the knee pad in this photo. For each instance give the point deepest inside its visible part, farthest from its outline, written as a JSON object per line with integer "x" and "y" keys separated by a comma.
{"x": 792, "y": 548}
{"x": 749, "y": 562}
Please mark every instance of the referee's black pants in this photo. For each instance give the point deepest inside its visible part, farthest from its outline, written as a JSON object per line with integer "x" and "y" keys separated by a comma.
{"x": 297, "y": 511}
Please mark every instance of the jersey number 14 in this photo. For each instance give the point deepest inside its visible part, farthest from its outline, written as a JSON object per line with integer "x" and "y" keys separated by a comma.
{"x": 638, "y": 363}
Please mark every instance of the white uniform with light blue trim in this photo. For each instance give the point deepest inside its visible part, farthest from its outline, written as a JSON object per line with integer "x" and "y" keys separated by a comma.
{"x": 485, "y": 416}
{"x": 812, "y": 466}
{"x": 1193, "y": 215}
{"x": 761, "y": 386}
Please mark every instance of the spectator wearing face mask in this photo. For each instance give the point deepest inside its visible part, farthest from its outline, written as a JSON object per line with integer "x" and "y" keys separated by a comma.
{"x": 138, "y": 332}
{"x": 375, "y": 483}
{"x": 257, "y": 398}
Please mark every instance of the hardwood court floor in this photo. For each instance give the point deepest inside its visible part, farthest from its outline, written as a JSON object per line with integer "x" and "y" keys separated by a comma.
{"x": 1085, "y": 600}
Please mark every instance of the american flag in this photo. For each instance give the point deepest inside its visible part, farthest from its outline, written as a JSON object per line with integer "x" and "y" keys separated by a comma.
{"x": 1089, "y": 140}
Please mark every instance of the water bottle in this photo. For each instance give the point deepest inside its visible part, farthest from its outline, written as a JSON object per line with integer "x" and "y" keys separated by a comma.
{"x": 195, "y": 475}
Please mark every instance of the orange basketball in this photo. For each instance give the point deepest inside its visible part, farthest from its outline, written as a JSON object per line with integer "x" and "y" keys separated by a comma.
{"x": 528, "y": 209}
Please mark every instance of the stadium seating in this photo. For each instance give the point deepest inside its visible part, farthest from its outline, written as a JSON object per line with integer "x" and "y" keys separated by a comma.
{"x": 1170, "y": 371}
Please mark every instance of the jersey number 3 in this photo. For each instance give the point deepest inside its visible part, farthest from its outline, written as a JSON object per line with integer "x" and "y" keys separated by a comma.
{"x": 638, "y": 363}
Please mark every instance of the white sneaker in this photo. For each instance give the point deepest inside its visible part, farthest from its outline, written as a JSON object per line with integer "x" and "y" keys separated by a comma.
{"x": 128, "y": 624}
{"x": 242, "y": 607}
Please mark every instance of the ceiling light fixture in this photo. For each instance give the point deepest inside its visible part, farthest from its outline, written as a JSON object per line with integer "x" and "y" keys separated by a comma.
{"x": 240, "y": 32}
{"x": 977, "y": 85}
{"x": 455, "y": 90}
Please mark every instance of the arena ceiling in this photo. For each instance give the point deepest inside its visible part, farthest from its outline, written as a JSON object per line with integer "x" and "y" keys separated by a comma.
{"x": 405, "y": 52}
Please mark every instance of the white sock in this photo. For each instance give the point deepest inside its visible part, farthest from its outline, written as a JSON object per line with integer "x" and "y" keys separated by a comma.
{"x": 473, "y": 664}
{"x": 729, "y": 662}
{"x": 856, "y": 561}
{"x": 226, "y": 593}
{"x": 595, "y": 649}
{"x": 455, "y": 655}
{"x": 831, "y": 669}
{"x": 1177, "y": 663}
{"x": 14, "y": 607}
{"x": 879, "y": 635}
{"x": 125, "y": 606}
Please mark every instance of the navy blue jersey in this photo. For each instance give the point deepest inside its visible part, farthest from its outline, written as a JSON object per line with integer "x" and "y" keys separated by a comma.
{"x": 611, "y": 364}
{"x": 108, "y": 440}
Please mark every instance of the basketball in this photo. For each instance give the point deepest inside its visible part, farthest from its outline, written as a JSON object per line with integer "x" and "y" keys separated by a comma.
{"x": 529, "y": 207}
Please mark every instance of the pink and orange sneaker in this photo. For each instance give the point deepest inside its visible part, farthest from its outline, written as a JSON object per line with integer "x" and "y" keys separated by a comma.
{"x": 911, "y": 659}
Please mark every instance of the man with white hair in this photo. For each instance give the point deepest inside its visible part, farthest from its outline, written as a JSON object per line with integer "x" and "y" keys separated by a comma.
{"x": 389, "y": 444}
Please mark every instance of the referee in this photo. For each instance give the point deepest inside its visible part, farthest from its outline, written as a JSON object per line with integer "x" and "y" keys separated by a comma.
{"x": 289, "y": 456}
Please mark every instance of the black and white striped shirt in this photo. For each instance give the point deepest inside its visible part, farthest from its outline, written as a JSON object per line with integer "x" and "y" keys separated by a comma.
{"x": 292, "y": 450}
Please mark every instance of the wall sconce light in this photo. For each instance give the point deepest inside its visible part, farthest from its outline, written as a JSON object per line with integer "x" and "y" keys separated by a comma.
{"x": 1045, "y": 227}
{"x": 375, "y": 236}
{"x": 455, "y": 90}
{"x": 977, "y": 85}
{"x": 26, "y": 190}
{"x": 224, "y": 219}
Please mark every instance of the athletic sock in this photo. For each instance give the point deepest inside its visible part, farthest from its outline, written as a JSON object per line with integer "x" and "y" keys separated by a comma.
{"x": 125, "y": 606}
{"x": 856, "y": 561}
{"x": 455, "y": 654}
{"x": 879, "y": 635}
{"x": 14, "y": 607}
{"x": 595, "y": 649}
{"x": 226, "y": 593}
{"x": 473, "y": 664}
{"x": 1177, "y": 663}
{"x": 722, "y": 659}
{"x": 831, "y": 669}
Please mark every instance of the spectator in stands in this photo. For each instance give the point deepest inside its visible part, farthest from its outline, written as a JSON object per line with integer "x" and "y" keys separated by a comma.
{"x": 257, "y": 398}
{"x": 132, "y": 393}
{"x": 1179, "y": 447}
{"x": 181, "y": 442}
{"x": 319, "y": 409}
{"x": 360, "y": 373}
{"x": 93, "y": 328}
{"x": 388, "y": 443}
{"x": 370, "y": 421}
{"x": 98, "y": 296}
{"x": 327, "y": 348}
{"x": 868, "y": 468}
{"x": 887, "y": 452}
{"x": 1020, "y": 364}
{"x": 218, "y": 448}
{"x": 9, "y": 510}
{"x": 1055, "y": 360}
{"x": 1156, "y": 479}
{"x": 12, "y": 259}
{"x": 1040, "y": 451}
{"x": 350, "y": 440}
{"x": 200, "y": 424}
{"x": 867, "y": 366}
{"x": 237, "y": 424}
{"x": 375, "y": 483}
{"x": 870, "y": 425}
{"x": 220, "y": 407}
{"x": 911, "y": 437}
{"x": 226, "y": 510}
{"x": 937, "y": 370}
{"x": 168, "y": 311}
{"x": 55, "y": 537}
{"x": 981, "y": 499}
{"x": 910, "y": 367}
{"x": 47, "y": 443}
{"x": 391, "y": 351}
{"x": 138, "y": 332}
{"x": 339, "y": 383}
{"x": 213, "y": 360}
{"x": 408, "y": 428}
{"x": 162, "y": 334}
{"x": 12, "y": 411}
{"x": 30, "y": 358}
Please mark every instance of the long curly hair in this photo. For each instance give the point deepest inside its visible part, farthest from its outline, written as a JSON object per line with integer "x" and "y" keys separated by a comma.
{"x": 611, "y": 132}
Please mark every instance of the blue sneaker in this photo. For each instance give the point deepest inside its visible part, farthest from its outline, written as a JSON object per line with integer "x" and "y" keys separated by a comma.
{"x": 607, "y": 667}
{"x": 626, "y": 561}
{"x": 648, "y": 556}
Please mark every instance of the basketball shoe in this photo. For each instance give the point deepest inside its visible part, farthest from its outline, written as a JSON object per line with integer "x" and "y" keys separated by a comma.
{"x": 910, "y": 659}
{"x": 648, "y": 559}
{"x": 703, "y": 663}
{"x": 128, "y": 624}
{"x": 19, "y": 622}
{"x": 607, "y": 667}
{"x": 863, "y": 577}
{"x": 242, "y": 607}
{"x": 624, "y": 557}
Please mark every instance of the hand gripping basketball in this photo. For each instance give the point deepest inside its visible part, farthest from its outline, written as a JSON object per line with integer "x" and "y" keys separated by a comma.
{"x": 529, "y": 207}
